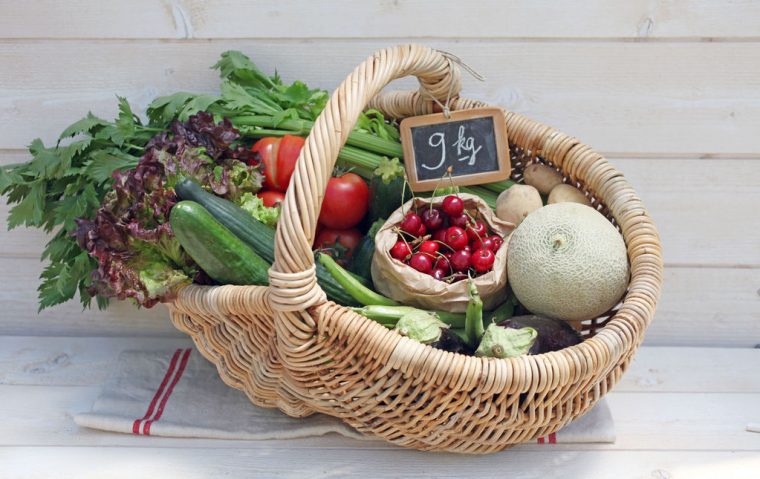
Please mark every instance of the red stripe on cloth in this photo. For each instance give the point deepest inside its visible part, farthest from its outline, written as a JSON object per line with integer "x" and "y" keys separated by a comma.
{"x": 553, "y": 438}
{"x": 177, "y": 377}
{"x": 159, "y": 392}
{"x": 540, "y": 440}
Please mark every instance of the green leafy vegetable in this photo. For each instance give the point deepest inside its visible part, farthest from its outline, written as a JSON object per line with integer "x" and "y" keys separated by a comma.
{"x": 69, "y": 180}
{"x": 255, "y": 206}
{"x": 131, "y": 238}
{"x": 66, "y": 181}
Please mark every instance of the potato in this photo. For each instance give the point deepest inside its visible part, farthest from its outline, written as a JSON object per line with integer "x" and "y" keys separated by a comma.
{"x": 565, "y": 193}
{"x": 515, "y": 203}
{"x": 543, "y": 178}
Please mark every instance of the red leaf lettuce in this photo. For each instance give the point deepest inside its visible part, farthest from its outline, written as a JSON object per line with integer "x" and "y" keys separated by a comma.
{"x": 131, "y": 238}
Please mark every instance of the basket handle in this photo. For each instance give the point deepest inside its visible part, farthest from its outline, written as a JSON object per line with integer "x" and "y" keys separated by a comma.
{"x": 292, "y": 276}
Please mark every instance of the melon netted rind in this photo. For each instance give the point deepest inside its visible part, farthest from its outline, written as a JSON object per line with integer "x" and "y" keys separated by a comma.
{"x": 567, "y": 261}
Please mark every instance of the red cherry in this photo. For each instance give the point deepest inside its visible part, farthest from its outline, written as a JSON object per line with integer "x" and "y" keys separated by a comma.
{"x": 438, "y": 274}
{"x": 429, "y": 247}
{"x": 440, "y": 235}
{"x": 456, "y": 238}
{"x": 421, "y": 262}
{"x": 482, "y": 260}
{"x": 442, "y": 262}
{"x": 486, "y": 243}
{"x": 432, "y": 218}
{"x": 468, "y": 248}
{"x": 461, "y": 260}
{"x": 452, "y": 205}
{"x": 497, "y": 242}
{"x": 421, "y": 231}
{"x": 411, "y": 223}
{"x": 401, "y": 251}
{"x": 476, "y": 230}
{"x": 461, "y": 220}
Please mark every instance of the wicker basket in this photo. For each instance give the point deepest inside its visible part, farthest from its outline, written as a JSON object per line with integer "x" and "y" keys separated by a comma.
{"x": 286, "y": 346}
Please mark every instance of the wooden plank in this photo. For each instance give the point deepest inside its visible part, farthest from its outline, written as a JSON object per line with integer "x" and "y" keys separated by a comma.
{"x": 684, "y": 421}
{"x": 379, "y": 19}
{"x": 9, "y": 157}
{"x": 699, "y": 307}
{"x": 625, "y": 99}
{"x": 704, "y": 210}
{"x": 87, "y": 361}
{"x": 192, "y": 463}
{"x": 708, "y": 307}
{"x": 42, "y": 416}
{"x": 682, "y": 195}
{"x": 692, "y": 369}
{"x": 71, "y": 361}
{"x": 18, "y": 295}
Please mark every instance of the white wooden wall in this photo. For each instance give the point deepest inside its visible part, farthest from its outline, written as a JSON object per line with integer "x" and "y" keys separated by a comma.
{"x": 668, "y": 90}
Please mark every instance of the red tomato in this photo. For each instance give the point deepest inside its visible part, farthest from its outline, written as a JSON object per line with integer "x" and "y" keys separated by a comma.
{"x": 346, "y": 201}
{"x": 290, "y": 149}
{"x": 340, "y": 244}
{"x": 271, "y": 198}
{"x": 278, "y": 155}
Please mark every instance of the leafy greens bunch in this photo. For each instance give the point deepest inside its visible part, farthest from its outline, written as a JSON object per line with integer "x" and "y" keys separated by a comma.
{"x": 72, "y": 179}
{"x": 131, "y": 238}
{"x": 65, "y": 182}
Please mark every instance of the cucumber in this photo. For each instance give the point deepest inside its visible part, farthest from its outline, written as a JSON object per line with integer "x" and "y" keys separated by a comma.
{"x": 221, "y": 254}
{"x": 256, "y": 235}
{"x": 386, "y": 189}
{"x": 361, "y": 262}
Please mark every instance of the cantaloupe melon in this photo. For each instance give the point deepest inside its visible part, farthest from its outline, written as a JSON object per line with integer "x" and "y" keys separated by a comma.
{"x": 566, "y": 261}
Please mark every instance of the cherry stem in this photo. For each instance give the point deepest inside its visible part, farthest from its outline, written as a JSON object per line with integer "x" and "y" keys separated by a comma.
{"x": 411, "y": 250}
{"x": 480, "y": 238}
{"x": 441, "y": 255}
{"x": 444, "y": 244}
{"x": 403, "y": 195}
{"x": 450, "y": 171}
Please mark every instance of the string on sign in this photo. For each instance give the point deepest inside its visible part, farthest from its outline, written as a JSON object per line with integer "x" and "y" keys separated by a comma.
{"x": 451, "y": 59}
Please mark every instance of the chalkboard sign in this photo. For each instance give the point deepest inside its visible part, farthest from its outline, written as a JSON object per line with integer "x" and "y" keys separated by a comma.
{"x": 472, "y": 142}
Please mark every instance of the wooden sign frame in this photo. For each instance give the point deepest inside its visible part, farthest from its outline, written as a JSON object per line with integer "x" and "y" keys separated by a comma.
{"x": 502, "y": 148}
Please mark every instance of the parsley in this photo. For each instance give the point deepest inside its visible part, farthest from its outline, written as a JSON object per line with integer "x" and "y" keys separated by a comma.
{"x": 66, "y": 181}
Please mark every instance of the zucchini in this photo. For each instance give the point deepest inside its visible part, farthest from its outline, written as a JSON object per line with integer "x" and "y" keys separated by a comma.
{"x": 221, "y": 254}
{"x": 360, "y": 293}
{"x": 389, "y": 315}
{"x": 255, "y": 234}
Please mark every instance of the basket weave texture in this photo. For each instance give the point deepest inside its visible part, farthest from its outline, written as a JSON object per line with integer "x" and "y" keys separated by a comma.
{"x": 286, "y": 346}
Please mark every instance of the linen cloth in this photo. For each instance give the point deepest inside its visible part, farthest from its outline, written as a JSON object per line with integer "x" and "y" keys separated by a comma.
{"x": 179, "y": 394}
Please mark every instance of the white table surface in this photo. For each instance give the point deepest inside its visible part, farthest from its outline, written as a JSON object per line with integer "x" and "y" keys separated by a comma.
{"x": 679, "y": 413}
